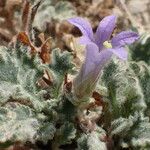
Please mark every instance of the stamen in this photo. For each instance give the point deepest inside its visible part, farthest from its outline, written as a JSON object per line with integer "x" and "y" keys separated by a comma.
{"x": 107, "y": 44}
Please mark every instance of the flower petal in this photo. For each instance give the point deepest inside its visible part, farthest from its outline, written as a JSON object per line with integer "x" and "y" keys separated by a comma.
{"x": 92, "y": 53}
{"x": 120, "y": 52}
{"x": 85, "y": 82}
{"x": 83, "y": 25}
{"x": 123, "y": 38}
{"x": 84, "y": 40}
{"x": 95, "y": 60}
{"x": 105, "y": 29}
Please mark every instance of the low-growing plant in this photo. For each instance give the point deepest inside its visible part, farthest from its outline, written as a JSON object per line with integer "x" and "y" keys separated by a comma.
{"x": 105, "y": 106}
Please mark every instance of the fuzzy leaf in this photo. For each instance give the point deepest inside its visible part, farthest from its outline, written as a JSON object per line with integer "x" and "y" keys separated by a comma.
{"x": 133, "y": 131}
{"x": 125, "y": 95}
{"x": 46, "y": 132}
{"x": 142, "y": 70}
{"x": 140, "y": 51}
{"x": 17, "y": 123}
{"x": 91, "y": 141}
{"x": 61, "y": 62}
{"x": 60, "y": 66}
{"x": 53, "y": 10}
{"x": 66, "y": 133}
{"x": 20, "y": 73}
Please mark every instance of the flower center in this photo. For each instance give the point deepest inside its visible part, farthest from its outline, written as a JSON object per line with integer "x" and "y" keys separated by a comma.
{"x": 107, "y": 44}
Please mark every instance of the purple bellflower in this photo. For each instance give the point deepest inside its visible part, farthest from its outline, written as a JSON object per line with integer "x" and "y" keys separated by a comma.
{"x": 99, "y": 49}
